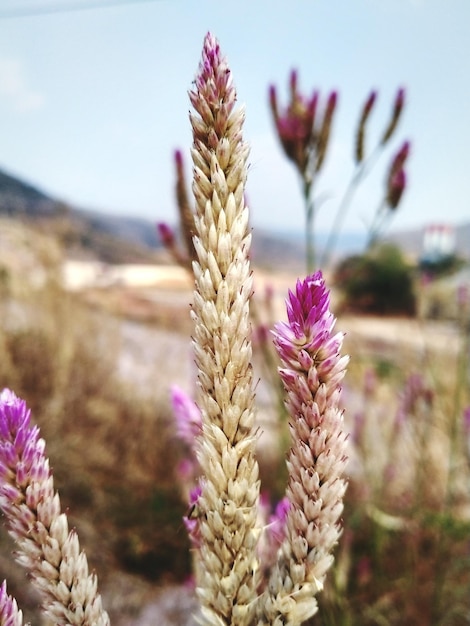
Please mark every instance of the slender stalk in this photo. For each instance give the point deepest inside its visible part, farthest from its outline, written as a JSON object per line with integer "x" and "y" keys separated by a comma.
{"x": 309, "y": 225}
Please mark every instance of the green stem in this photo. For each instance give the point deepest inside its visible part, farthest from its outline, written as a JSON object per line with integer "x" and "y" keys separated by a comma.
{"x": 361, "y": 171}
{"x": 309, "y": 223}
{"x": 377, "y": 224}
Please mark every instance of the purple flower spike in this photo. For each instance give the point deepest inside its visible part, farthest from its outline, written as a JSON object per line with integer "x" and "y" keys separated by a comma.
{"x": 32, "y": 509}
{"x": 398, "y": 106}
{"x": 9, "y": 613}
{"x": 313, "y": 369}
{"x": 396, "y": 187}
{"x": 297, "y": 125}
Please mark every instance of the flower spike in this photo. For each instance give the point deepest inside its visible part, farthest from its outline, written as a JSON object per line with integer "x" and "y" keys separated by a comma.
{"x": 47, "y": 549}
{"x": 312, "y": 372}
{"x": 227, "y": 572}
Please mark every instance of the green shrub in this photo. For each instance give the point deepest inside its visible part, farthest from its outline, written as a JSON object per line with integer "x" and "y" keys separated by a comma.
{"x": 378, "y": 282}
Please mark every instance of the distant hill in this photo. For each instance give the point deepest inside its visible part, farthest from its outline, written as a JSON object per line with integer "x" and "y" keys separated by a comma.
{"x": 116, "y": 239}
{"x": 20, "y": 199}
{"x": 82, "y": 233}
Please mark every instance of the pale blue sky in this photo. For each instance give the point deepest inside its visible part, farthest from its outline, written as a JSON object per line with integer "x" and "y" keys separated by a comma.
{"x": 94, "y": 102}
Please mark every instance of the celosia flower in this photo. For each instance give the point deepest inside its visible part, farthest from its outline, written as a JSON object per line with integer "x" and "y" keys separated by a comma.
{"x": 325, "y": 129}
{"x": 9, "y": 613}
{"x": 296, "y": 125}
{"x": 312, "y": 372}
{"x": 400, "y": 158}
{"x": 303, "y": 137}
{"x": 396, "y": 180}
{"x": 395, "y": 189}
{"x": 398, "y": 105}
{"x": 365, "y": 113}
{"x": 166, "y": 234}
{"x": 46, "y": 548}
{"x": 227, "y": 569}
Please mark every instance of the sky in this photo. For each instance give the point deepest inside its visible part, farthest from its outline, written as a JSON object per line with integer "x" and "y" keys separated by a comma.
{"x": 93, "y": 100}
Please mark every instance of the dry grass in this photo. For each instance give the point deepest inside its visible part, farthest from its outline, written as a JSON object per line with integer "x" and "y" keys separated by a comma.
{"x": 404, "y": 555}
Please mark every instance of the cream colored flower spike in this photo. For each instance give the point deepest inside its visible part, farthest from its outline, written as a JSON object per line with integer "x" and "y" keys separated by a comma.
{"x": 227, "y": 507}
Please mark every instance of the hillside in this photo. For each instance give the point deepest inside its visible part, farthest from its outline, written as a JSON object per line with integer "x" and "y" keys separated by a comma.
{"x": 82, "y": 233}
{"x": 86, "y": 234}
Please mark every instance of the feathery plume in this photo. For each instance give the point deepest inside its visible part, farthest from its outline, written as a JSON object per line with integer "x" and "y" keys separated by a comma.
{"x": 46, "y": 547}
{"x": 227, "y": 506}
{"x": 312, "y": 372}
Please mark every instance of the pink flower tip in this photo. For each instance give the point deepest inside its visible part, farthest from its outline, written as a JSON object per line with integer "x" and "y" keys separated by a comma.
{"x": 332, "y": 99}
{"x": 166, "y": 233}
{"x": 370, "y": 101}
{"x": 14, "y": 415}
{"x": 293, "y": 80}
{"x": 308, "y": 304}
{"x": 400, "y": 98}
{"x": 272, "y": 95}
{"x": 179, "y": 159}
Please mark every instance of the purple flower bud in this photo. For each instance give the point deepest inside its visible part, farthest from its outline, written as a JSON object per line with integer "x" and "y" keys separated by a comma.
{"x": 360, "y": 135}
{"x": 166, "y": 234}
{"x": 396, "y": 187}
{"x": 178, "y": 160}
{"x": 399, "y": 101}
{"x": 369, "y": 103}
{"x": 396, "y": 181}
{"x": 396, "y": 114}
{"x": 293, "y": 84}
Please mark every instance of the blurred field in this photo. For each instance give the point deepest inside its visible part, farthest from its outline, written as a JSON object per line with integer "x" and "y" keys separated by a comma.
{"x": 94, "y": 350}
